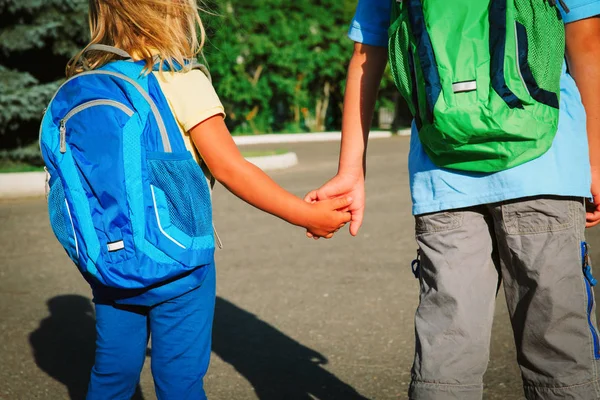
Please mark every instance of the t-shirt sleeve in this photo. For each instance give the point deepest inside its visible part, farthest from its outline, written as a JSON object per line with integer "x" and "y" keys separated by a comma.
{"x": 371, "y": 22}
{"x": 580, "y": 9}
{"x": 192, "y": 97}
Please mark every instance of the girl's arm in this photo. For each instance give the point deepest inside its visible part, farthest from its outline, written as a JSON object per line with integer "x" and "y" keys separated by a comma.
{"x": 251, "y": 184}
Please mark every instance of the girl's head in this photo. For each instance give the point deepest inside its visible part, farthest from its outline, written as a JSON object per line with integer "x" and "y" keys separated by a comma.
{"x": 170, "y": 29}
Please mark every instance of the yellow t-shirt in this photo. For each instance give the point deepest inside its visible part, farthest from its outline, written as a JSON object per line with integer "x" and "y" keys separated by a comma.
{"x": 192, "y": 99}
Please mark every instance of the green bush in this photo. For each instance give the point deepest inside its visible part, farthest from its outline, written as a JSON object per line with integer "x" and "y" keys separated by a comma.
{"x": 277, "y": 65}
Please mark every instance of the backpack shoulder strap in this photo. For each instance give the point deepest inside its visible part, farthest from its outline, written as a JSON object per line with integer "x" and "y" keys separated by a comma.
{"x": 107, "y": 49}
{"x": 196, "y": 65}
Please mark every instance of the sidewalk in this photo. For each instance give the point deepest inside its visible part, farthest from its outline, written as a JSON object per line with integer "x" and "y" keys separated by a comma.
{"x": 31, "y": 184}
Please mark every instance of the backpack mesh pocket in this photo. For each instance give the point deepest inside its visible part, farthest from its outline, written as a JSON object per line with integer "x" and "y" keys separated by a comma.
{"x": 545, "y": 35}
{"x": 399, "y": 59}
{"x": 186, "y": 191}
{"x": 60, "y": 218}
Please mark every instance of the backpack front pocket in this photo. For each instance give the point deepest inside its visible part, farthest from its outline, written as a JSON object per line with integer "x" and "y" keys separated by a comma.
{"x": 181, "y": 210}
{"x": 91, "y": 134}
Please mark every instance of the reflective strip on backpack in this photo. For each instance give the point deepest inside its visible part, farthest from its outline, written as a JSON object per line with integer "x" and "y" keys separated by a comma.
{"x": 114, "y": 246}
{"x": 467, "y": 86}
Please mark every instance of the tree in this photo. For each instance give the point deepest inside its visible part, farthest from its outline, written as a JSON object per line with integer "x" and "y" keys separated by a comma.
{"x": 277, "y": 65}
{"x": 277, "y": 62}
{"x": 37, "y": 38}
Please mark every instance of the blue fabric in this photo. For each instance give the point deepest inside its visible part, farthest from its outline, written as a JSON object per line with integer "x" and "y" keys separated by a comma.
{"x": 181, "y": 339}
{"x": 564, "y": 170}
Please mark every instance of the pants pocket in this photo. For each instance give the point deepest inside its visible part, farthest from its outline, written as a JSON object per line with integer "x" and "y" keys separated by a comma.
{"x": 438, "y": 222}
{"x": 538, "y": 215}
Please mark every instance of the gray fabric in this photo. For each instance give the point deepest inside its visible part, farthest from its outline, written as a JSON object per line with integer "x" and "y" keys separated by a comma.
{"x": 534, "y": 244}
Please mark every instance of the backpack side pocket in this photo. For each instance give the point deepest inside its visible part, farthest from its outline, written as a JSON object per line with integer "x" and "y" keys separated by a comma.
{"x": 61, "y": 219}
{"x": 401, "y": 60}
{"x": 180, "y": 216}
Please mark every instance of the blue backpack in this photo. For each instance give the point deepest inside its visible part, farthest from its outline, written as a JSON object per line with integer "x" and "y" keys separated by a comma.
{"x": 126, "y": 199}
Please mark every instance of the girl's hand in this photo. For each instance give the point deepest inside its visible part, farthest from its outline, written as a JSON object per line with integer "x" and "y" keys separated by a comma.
{"x": 343, "y": 185}
{"x": 328, "y": 216}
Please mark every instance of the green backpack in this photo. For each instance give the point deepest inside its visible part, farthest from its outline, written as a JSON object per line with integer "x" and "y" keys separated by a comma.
{"x": 481, "y": 78}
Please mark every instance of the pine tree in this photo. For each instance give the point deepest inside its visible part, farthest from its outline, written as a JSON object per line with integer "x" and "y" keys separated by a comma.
{"x": 37, "y": 38}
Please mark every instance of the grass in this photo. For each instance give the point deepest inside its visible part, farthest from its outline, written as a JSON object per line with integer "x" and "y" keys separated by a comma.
{"x": 15, "y": 166}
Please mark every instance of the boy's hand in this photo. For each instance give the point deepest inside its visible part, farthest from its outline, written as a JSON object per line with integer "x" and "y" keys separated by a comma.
{"x": 343, "y": 185}
{"x": 328, "y": 216}
{"x": 592, "y": 215}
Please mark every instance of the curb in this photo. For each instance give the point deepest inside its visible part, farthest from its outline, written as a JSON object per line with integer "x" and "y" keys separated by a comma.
{"x": 279, "y": 161}
{"x": 32, "y": 184}
{"x": 307, "y": 137}
{"x": 22, "y": 184}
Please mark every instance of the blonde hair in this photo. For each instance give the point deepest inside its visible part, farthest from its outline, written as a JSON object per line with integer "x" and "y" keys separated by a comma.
{"x": 169, "y": 29}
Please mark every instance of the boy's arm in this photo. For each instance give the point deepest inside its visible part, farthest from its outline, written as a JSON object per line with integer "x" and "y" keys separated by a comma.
{"x": 251, "y": 184}
{"x": 583, "y": 56}
{"x": 364, "y": 76}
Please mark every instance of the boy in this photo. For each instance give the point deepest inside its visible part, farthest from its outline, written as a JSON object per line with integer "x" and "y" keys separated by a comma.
{"x": 525, "y": 225}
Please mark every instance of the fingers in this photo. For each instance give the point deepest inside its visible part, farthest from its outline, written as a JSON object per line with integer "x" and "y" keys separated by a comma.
{"x": 311, "y": 196}
{"x": 357, "y": 219}
{"x": 592, "y": 218}
{"x": 326, "y": 236}
{"x": 339, "y": 203}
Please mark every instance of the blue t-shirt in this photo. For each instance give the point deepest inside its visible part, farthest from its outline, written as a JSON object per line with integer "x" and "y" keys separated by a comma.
{"x": 563, "y": 170}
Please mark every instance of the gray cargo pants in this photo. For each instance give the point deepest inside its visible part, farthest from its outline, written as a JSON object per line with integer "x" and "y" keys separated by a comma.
{"x": 536, "y": 245}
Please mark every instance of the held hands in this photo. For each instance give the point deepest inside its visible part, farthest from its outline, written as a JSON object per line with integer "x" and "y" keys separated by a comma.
{"x": 347, "y": 185}
{"x": 328, "y": 216}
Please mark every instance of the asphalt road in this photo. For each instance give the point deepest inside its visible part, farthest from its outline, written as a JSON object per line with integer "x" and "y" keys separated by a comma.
{"x": 295, "y": 318}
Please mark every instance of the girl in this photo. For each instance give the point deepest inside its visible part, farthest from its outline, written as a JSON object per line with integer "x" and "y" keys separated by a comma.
{"x": 180, "y": 318}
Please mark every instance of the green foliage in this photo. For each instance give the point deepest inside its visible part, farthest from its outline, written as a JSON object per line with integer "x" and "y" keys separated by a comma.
{"x": 277, "y": 63}
{"x": 37, "y": 38}
{"x": 28, "y": 155}
{"x": 278, "y": 66}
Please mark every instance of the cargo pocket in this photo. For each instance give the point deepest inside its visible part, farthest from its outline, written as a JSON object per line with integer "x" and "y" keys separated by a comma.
{"x": 438, "y": 222}
{"x": 61, "y": 219}
{"x": 180, "y": 206}
{"x": 537, "y": 215}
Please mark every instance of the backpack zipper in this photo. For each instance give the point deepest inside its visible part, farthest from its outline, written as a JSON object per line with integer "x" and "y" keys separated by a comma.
{"x": 81, "y": 107}
{"x": 159, "y": 121}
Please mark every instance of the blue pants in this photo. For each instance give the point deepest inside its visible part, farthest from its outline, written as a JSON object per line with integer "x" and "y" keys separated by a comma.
{"x": 181, "y": 339}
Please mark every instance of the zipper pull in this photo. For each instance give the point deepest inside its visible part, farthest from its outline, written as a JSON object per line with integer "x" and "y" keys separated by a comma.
{"x": 63, "y": 136}
{"x": 587, "y": 268}
{"x": 217, "y": 238}
{"x": 415, "y": 265}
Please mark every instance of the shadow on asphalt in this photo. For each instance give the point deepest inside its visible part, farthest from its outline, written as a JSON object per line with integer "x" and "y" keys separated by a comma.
{"x": 277, "y": 366}
{"x": 64, "y": 343}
